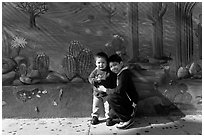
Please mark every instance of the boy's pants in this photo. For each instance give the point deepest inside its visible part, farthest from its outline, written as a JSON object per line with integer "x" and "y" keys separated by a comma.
{"x": 98, "y": 102}
{"x": 121, "y": 105}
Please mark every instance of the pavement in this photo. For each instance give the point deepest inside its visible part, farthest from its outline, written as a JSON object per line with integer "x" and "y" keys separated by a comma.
{"x": 158, "y": 125}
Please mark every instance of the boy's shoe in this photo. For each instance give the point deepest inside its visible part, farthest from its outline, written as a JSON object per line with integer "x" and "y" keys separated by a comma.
{"x": 94, "y": 120}
{"x": 110, "y": 122}
{"x": 125, "y": 125}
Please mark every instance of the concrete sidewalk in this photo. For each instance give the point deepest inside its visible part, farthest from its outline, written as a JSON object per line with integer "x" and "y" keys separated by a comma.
{"x": 188, "y": 125}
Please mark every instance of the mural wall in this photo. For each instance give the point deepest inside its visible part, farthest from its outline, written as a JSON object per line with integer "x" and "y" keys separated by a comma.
{"x": 54, "y": 43}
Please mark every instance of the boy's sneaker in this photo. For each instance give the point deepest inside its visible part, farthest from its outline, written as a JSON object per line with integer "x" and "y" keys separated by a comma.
{"x": 110, "y": 122}
{"x": 125, "y": 125}
{"x": 94, "y": 120}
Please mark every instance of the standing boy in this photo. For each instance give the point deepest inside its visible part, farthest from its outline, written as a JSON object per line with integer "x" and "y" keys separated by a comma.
{"x": 101, "y": 76}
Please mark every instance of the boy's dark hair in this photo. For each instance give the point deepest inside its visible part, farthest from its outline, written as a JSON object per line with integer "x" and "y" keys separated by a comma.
{"x": 102, "y": 55}
{"x": 115, "y": 58}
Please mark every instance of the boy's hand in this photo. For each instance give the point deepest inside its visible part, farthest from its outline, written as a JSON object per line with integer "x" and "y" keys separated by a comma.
{"x": 110, "y": 91}
{"x": 98, "y": 80}
{"x": 102, "y": 88}
{"x": 134, "y": 105}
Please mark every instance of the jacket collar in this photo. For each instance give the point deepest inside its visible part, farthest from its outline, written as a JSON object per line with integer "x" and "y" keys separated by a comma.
{"x": 124, "y": 68}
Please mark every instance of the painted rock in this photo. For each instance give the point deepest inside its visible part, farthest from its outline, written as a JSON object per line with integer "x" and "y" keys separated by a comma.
{"x": 8, "y": 65}
{"x": 56, "y": 77}
{"x": 170, "y": 92}
{"x": 8, "y": 78}
{"x": 77, "y": 80}
{"x": 194, "y": 68}
{"x": 184, "y": 98}
{"x": 25, "y": 80}
{"x": 182, "y": 72}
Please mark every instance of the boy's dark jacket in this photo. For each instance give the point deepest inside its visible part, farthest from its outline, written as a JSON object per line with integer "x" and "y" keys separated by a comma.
{"x": 125, "y": 85}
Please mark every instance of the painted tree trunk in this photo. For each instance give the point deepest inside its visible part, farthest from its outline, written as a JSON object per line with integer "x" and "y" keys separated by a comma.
{"x": 32, "y": 20}
{"x": 178, "y": 34}
{"x": 157, "y": 30}
{"x": 133, "y": 21}
{"x": 184, "y": 33}
{"x": 158, "y": 39}
{"x": 200, "y": 40}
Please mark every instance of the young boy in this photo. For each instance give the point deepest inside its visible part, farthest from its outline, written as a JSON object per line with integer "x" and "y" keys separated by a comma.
{"x": 124, "y": 98}
{"x": 101, "y": 76}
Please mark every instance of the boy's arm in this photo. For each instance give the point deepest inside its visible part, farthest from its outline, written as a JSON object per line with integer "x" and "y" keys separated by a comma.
{"x": 125, "y": 86}
{"x": 92, "y": 77}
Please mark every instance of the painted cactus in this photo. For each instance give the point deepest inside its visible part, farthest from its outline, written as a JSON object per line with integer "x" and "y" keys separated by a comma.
{"x": 74, "y": 48}
{"x": 22, "y": 69}
{"x": 41, "y": 63}
{"x": 69, "y": 65}
{"x": 85, "y": 63}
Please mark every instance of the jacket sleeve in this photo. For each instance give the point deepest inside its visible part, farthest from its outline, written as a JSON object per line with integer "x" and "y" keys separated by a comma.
{"x": 122, "y": 83}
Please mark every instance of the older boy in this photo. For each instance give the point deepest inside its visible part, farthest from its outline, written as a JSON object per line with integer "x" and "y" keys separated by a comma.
{"x": 125, "y": 96}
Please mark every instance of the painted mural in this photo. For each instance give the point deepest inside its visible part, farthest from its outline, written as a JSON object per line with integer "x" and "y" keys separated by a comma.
{"x": 52, "y": 45}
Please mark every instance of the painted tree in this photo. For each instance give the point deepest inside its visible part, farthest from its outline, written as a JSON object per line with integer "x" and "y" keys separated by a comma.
{"x": 184, "y": 33}
{"x": 34, "y": 9}
{"x": 110, "y": 10}
{"x": 158, "y": 11}
{"x": 198, "y": 34}
{"x": 133, "y": 23}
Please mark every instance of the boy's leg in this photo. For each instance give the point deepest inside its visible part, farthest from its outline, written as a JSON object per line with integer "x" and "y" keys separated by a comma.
{"x": 95, "y": 110}
{"x": 108, "y": 113}
{"x": 106, "y": 107}
{"x": 96, "y": 106}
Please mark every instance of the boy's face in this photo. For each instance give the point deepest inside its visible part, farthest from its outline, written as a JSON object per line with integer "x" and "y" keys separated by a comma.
{"x": 101, "y": 63}
{"x": 115, "y": 66}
